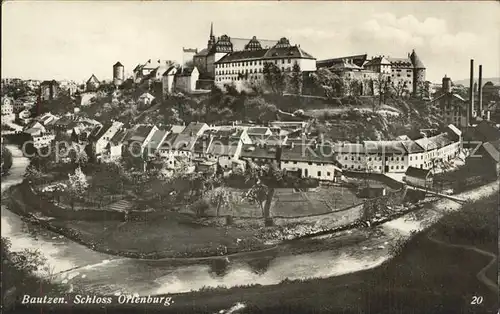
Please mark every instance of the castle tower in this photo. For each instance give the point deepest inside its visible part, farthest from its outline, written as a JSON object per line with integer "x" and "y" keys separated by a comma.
{"x": 211, "y": 40}
{"x": 418, "y": 71}
{"x": 118, "y": 74}
{"x": 446, "y": 86}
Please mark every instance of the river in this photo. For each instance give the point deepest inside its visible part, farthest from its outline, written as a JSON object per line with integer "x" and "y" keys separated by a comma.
{"x": 85, "y": 270}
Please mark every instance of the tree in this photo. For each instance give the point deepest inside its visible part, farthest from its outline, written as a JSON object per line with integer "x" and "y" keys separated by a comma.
{"x": 274, "y": 78}
{"x": 382, "y": 87}
{"x": 18, "y": 272}
{"x": 295, "y": 80}
{"x": 77, "y": 185}
{"x": 220, "y": 197}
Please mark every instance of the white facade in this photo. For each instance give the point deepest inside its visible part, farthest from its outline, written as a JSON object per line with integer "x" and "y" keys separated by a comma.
{"x": 104, "y": 139}
{"x": 7, "y": 107}
{"x": 231, "y": 72}
{"x": 167, "y": 81}
{"x": 314, "y": 170}
{"x": 145, "y": 99}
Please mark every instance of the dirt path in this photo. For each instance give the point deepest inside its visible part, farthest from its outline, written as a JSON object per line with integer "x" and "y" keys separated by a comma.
{"x": 481, "y": 275}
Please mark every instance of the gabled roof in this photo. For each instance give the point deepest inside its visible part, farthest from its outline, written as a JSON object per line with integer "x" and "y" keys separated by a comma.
{"x": 377, "y": 61}
{"x": 93, "y": 79}
{"x": 400, "y": 62}
{"x": 417, "y": 172}
{"x": 257, "y": 130}
{"x": 119, "y": 137}
{"x": 99, "y": 131}
{"x": 240, "y": 43}
{"x": 412, "y": 147}
{"x": 223, "y": 147}
{"x": 287, "y": 52}
{"x": 323, "y": 153}
{"x": 487, "y": 131}
{"x": 449, "y": 95}
{"x": 118, "y": 64}
{"x": 157, "y": 139}
{"x": 169, "y": 70}
{"x": 242, "y": 55}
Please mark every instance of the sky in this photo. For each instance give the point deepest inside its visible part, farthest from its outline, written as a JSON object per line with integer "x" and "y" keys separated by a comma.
{"x": 75, "y": 39}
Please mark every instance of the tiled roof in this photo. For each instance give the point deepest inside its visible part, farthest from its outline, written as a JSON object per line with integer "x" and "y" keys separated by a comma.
{"x": 98, "y": 131}
{"x": 242, "y": 55}
{"x": 177, "y": 128}
{"x": 118, "y": 137}
{"x": 168, "y": 143}
{"x": 93, "y": 78}
{"x": 359, "y": 60}
{"x": 287, "y": 52}
{"x": 258, "y": 151}
{"x": 449, "y": 95}
{"x": 427, "y": 143}
{"x": 157, "y": 139}
{"x": 267, "y": 139}
{"x": 202, "y": 143}
{"x": 416, "y": 60}
{"x": 412, "y": 147}
{"x": 220, "y": 147}
{"x": 387, "y": 147}
{"x": 377, "y": 61}
{"x": 309, "y": 153}
{"x": 417, "y": 172}
{"x": 194, "y": 127}
{"x": 353, "y": 148}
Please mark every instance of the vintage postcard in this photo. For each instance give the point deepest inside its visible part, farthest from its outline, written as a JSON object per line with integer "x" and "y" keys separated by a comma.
{"x": 250, "y": 157}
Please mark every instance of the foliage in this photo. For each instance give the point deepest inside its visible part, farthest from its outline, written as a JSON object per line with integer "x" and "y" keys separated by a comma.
{"x": 274, "y": 78}
{"x": 331, "y": 83}
{"x": 220, "y": 197}
{"x": 295, "y": 80}
{"x": 77, "y": 185}
{"x": 6, "y": 159}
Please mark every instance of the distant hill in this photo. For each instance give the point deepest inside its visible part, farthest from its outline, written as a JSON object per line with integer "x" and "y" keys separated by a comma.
{"x": 465, "y": 82}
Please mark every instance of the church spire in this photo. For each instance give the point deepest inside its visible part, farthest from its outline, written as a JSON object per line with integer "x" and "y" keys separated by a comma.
{"x": 211, "y": 29}
{"x": 211, "y": 40}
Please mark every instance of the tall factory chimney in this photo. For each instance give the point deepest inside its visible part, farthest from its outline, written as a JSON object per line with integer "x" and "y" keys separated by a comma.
{"x": 480, "y": 90}
{"x": 471, "y": 93}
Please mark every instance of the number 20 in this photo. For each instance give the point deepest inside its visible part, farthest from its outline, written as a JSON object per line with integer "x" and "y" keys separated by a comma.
{"x": 477, "y": 300}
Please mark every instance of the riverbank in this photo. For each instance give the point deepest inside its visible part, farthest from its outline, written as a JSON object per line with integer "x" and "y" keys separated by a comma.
{"x": 427, "y": 276}
{"x": 173, "y": 238}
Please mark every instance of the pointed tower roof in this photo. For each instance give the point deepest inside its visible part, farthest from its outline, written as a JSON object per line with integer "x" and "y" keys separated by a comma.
{"x": 118, "y": 64}
{"x": 211, "y": 29}
{"x": 417, "y": 63}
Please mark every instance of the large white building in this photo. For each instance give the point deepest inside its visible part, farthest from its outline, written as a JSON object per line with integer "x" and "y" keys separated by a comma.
{"x": 246, "y": 66}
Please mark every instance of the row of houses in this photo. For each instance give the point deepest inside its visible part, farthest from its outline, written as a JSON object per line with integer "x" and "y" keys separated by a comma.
{"x": 232, "y": 147}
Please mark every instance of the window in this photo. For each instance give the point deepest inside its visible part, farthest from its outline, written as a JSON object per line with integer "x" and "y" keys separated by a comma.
{"x": 289, "y": 61}
{"x": 328, "y": 174}
{"x": 294, "y": 162}
{"x": 319, "y": 173}
{"x": 310, "y": 163}
{"x": 392, "y": 167}
{"x": 410, "y": 157}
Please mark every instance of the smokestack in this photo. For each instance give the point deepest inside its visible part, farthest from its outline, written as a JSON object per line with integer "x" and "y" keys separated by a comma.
{"x": 480, "y": 90}
{"x": 471, "y": 93}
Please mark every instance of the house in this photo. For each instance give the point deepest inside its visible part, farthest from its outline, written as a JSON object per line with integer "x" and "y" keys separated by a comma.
{"x": 145, "y": 100}
{"x": 224, "y": 150}
{"x": 351, "y": 156}
{"x": 485, "y": 160}
{"x": 185, "y": 141}
{"x": 157, "y": 140}
{"x": 39, "y": 135}
{"x": 138, "y": 138}
{"x": 315, "y": 161}
{"x": 186, "y": 78}
{"x": 422, "y": 178}
{"x": 47, "y": 119}
{"x": 101, "y": 135}
{"x": 260, "y": 154}
{"x": 114, "y": 148}
{"x": 151, "y": 70}
{"x": 384, "y": 156}
{"x": 168, "y": 80}
{"x": 92, "y": 84}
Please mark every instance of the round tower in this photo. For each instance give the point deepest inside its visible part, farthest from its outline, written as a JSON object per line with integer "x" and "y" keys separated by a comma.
{"x": 446, "y": 86}
{"x": 418, "y": 72}
{"x": 118, "y": 74}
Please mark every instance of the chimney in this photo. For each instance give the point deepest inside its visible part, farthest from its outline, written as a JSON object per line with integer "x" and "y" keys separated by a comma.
{"x": 480, "y": 90}
{"x": 446, "y": 86}
{"x": 471, "y": 92}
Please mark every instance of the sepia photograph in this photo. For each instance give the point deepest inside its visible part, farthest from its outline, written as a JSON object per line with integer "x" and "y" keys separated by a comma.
{"x": 240, "y": 157}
